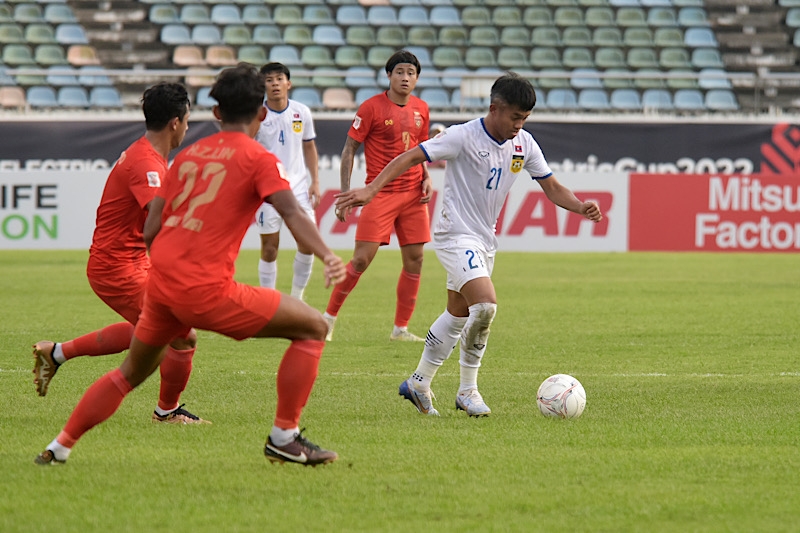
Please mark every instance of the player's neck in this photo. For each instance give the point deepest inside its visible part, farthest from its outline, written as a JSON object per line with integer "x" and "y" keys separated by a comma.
{"x": 160, "y": 141}
{"x": 278, "y": 105}
{"x": 488, "y": 123}
{"x": 398, "y": 98}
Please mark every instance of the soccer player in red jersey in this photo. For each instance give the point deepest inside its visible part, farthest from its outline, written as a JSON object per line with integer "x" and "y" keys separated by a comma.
{"x": 388, "y": 124}
{"x": 195, "y": 229}
{"x": 118, "y": 262}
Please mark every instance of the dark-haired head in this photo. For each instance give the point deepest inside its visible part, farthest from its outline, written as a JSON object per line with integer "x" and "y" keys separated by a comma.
{"x": 513, "y": 90}
{"x": 163, "y": 102}
{"x": 239, "y": 92}
{"x": 402, "y": 56}
{"x": 273, "y": 68}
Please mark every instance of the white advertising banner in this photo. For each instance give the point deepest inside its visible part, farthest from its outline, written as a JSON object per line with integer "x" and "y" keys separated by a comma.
{"x": 56, "y": 210}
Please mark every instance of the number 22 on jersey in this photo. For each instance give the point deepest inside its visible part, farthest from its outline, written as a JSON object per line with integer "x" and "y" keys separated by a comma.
{"x": 214, "y": 174}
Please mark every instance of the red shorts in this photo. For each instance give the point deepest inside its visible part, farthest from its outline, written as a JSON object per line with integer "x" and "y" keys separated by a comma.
{"x": 239, "y": 312}
{"x": 400, "y": 211}
{"x": 122, "y": 291}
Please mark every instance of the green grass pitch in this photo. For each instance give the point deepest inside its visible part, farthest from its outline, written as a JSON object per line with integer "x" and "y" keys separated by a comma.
{"x": 690, "y": 364}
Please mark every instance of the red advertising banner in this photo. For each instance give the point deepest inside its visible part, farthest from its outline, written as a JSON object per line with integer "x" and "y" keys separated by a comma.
{"x": 752, "y": 213}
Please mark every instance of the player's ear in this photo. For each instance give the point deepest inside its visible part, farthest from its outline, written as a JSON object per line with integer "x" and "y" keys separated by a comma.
{"x": 215, "y": 111}
{"x": 262, "y": 113}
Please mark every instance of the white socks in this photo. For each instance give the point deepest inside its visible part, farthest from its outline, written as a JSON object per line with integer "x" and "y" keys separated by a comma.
{"x": 60, "y": 452}
{"x": 302, "y": 273}
{"x": 267, "y": 273}
{"x": 441, "y": 339}
{"x": 282, "y": 437}
{"x": 58, "y": 354}
{"x": 473, "y": 343}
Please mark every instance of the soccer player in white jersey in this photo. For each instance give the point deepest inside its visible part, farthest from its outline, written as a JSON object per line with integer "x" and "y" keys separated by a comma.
{"x": 484, "y": 157}
{"x": 288, "y": 132}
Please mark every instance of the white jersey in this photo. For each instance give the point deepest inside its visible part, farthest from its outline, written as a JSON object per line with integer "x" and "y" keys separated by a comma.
{"x": 283, "y": 134}
{"x": 479, "y": 174}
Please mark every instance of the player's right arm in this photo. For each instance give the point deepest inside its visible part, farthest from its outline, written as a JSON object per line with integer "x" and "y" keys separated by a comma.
{"x": 398, "y": 165}
{"x": 306, "y": 233}
{"x": 346, "y": 171}
{"x": 152, "y": 225}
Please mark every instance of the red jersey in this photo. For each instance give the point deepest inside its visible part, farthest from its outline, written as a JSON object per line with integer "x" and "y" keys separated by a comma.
{"x": 131, "y": 185}
{"x": 387, "y": 130}
{"x": 212, "y": 192}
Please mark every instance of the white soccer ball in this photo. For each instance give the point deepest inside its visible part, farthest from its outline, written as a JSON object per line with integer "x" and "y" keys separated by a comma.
{"x": 561, "y": 396}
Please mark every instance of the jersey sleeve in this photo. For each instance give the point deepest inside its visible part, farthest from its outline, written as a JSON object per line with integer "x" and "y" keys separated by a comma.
{"x": 445, "y": 146}
{"x": 146, "y": 177}
{"x": 309, "y": 133}
{"x": 362, "y": 122}
{"x": 535, "y": 163}
{"x": 271, "y": 176}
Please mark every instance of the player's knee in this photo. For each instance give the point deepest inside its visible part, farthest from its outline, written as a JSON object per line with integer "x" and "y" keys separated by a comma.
{"x": 484, "y": 312}
{"x": 269, "y": 254}
{"x": 318, "y": 327}
{"x": 185, "y": 343}
{"x": 360, "y": 263}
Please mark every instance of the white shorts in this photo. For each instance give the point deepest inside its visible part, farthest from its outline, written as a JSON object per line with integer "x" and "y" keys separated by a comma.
{"x": 269, "y": 221}
{"x": 465, "y": 260}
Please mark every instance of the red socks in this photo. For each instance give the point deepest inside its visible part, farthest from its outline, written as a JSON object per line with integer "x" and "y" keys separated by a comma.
{"x": 407, "y": 289}
{"x": 175, "y": 370}
{"x": 341, "y": 290}
{"x": 115, "y": 338}
{"x": 296, "y": 375}
{"x": 98, "y": 403}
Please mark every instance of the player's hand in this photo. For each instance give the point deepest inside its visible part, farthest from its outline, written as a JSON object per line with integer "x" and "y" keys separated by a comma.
{"x": 427, "y": 190}
{"x": 354, "y": 197}
{"x": 314, "y": 195}
{"x": 591, "y": 211}
{"x": 341, "y": 214}
{"x": 334, "y": 270}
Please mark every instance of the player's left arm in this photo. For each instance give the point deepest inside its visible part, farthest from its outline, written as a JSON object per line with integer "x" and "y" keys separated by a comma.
{"x": 152, "y": 225}
{"x": 564, "y": 197}
{"x": 311, "y": 157}
{"x": 396, "y": 166}
{"x": 427, "y": 185}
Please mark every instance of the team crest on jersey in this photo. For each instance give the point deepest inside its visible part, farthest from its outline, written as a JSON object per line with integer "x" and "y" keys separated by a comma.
{"x": 357, "y": 122}
{"x": 153, "y": 179}
{"x": 417, "y": 119}
{"x": 297, "y": 126}
{"x": 516, "y": 163}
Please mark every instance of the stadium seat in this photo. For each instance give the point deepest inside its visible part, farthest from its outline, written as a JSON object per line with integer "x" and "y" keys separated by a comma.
{"x": 206, "y": 34}
{"x": 423, "y": 36}
{"x": 324, "y": 77}
{"x": 585, "y": 78}
{"x": 50, "y": 54}
{"x": 576, "y": 36}
{"x": 436, "y": 98}
{"x": 657, "y": 100}
{"x": 682, "y": 78}
{"x": 568, "y": 16}
{"x": 203, "y": 99}
{"x": 714, "y": 78}
{"x": 476, "y": 16}
{"x": 267, "y": 34}
{"x": 308, "y": 96}
{"x": 562, "y": 99}
{"x": 545, "y": 57}
{"x": 689, "y": 100}
{"x": 175, "y": 34}
{"x": 164, "y": 14}
{"x": 484, "y": 36}
{"x": 394, "y": 36}
{"x": 380, "y": 16}
{"x": 577, "y": 57}
{"x": 618, "y": 78}
{"x": 317, "y": 56}
{"x": 700, "y": 37}
{"x": 224, "y": 14}
{"x": 515, "y": 36}
{"x": 649, "y": 78}
{"x": 298, "y": 35}
{"x": 72, "y": 97}
{"x": 541, "y": 102}
{"x": 361, "y": 36}
{"x": 668, "y": 37}
{"x": 504, "y": 16}
{"x": 350, "y": 56}
{"x": 285, "y": 14}
{"x": 453, "y": 36}
{"x": 637, "y": 36}
{"x": 6, "y": 13}
{"x": 624, "y": 3}
{"x": 351, "y": 15}
{"x": 220, "y": 55}
{"x": 11, "y": 33}
{"x": 609, "y": 57}
{"x": 534, "y": 16}
{"x": 256, "y": 14}
{"x": 513, "y": 58}
{"x": 378, "y": 55}
{"x": 57, "y": 76}
{"x": 413, "y": 15}
{"x": 338, "y": 98}
{"x": 82, "y": 54}
{"x": 597, "y": 16}
{"x": 593, "y": 100}
{"x": 639, "y": 58}
{"x": 41, "y": 96}
{"x": 626, "y": 100}
{"x": 423, "y": 55}
{"x": 192, "y": 14}
{"x": 793, "y": 17}
{"x": 318, "y": 14}
{"x": 105, "y": 97}
{"x": 28, "y": 13}
{"x": 12, "y": 97}
{"x": 237, "y": 35}
{"x": 670, "y": 58}
{"x": 365, "y": 93}
{"x": 93, "y": 76}
{"x": 631, "y": 16}
{"x": 59, "y": 13}
{"x": 721, "y": 100}
{"x": 607, "y": 36}
{"x": 693, "y": 16}
{"x": 452, "y": 76}
{"x": 328, "y": 35}
{"x": 15, "y": 55}
{"x": 286, "y": 54}
{"x": 253, "y": 54}
{"x": 447, "y": 56}
{"x": 444, "y": 15}
{"x": 357, "y": 77}
{"x": 553, "y": 78}
{"x": 545, "y": 36}
{"x": 662, "y": 16}
{"x": 709, "y": 58}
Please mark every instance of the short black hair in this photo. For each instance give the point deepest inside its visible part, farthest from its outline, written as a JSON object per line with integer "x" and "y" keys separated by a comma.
{"x": 239, "y": 92}
{"x": 163, "y": 102}
{"x": 402, "y": 56}
{"x": 514, "y": 90}
{"x": 271, "y": 68}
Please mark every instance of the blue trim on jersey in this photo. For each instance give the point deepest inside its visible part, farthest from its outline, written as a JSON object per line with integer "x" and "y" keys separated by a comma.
{"x": 309, "y": 140}
{"x": 426, "y": 153}
{"x": 490, "y": 135}
{"x": 541, "y": 177}
{"x": 275, "y": 110}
